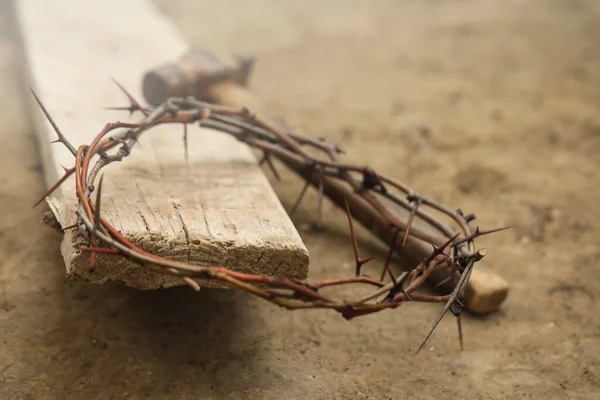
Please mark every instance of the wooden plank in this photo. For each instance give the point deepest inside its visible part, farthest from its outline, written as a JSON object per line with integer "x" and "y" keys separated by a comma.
{"x": 218, "y": 210}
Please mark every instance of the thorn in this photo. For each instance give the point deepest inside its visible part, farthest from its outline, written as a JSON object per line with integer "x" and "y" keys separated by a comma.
{"x": 55, "y": 186}
{"x": 134, "y": 103}
{"x": 61, "y": 138}
{"x": 469, "y": 218}
{"x": 267, "y": 158}
{"x": 479, "y": 233}
{"x": 398, "y": 287}
{"x": 272, "y": 166}
{"x": 410, "y": 220}
{"x": 96, "y": 221}
{"x": 304, "y": 189}
{"x": 440, "y": 250}
{"x": 460, "y": 334}
{"x": 359, "y": 261}
{"x": 300, "y": 197}
{"x": 352, "y": 235}
{"x": 386, "y": 266}
{"x": 131, "y": 109}
{"x": 97, "y": 205}
{"x": 321, "y": 184}
{"x": 454, "y": 295}
{"x": 66, "y": 228}
{"x": 456, "y": 307}
{"x": 443, "y": 282}
{"x": 185, "y": 144}
{"x": 435, "y": 324}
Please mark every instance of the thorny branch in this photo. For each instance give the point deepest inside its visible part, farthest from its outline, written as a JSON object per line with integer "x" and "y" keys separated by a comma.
{"x": 364, "y": 193}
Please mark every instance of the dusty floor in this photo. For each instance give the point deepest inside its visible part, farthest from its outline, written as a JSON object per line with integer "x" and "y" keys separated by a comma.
{"x": 490, "y": 106}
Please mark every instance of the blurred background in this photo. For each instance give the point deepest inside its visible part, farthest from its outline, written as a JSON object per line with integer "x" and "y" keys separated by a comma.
{"x": 489, "y": 106}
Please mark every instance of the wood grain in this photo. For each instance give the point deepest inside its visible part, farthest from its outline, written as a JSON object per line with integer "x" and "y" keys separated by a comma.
{"x": 217, "y": 210}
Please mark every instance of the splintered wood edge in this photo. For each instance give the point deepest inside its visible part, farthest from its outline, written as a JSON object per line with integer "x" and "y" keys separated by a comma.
{"x": 266, "y": 260}
{"x": 242, "y": 242}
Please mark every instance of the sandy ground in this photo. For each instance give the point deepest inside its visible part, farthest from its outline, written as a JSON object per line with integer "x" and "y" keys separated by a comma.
{"x": 490, "y": 106}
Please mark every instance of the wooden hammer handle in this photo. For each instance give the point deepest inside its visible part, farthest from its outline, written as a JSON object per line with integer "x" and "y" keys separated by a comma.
{"x": 232, "y": 94}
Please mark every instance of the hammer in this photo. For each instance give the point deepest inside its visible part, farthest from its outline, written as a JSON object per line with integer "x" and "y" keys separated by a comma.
{"x": 203, "y": 75}
{"x": 224, "y": 81}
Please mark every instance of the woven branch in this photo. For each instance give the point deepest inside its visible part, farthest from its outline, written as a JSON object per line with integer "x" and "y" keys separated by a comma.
{"x": 364, "y": 193}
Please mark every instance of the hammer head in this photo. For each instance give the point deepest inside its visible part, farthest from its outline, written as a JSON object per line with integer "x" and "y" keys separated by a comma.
{"x": 193, "y": 74}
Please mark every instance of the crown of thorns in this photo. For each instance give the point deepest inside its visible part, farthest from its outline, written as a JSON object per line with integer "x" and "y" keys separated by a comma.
{"x": 356, "y": 188}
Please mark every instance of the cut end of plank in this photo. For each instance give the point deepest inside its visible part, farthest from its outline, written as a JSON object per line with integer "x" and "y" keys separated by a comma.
{"x": 277, "y": 260}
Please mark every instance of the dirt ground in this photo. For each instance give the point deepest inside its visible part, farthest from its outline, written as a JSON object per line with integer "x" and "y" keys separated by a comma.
{"x": 490, "y": 106}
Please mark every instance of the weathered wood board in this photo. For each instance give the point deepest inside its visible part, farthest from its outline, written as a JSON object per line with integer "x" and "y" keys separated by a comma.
{"x": 218, "y": 210}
